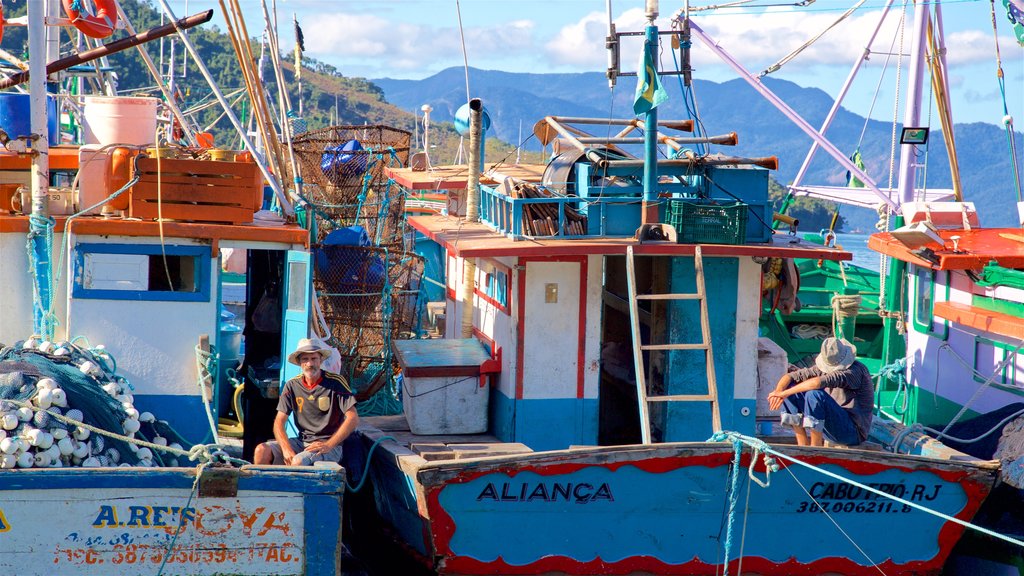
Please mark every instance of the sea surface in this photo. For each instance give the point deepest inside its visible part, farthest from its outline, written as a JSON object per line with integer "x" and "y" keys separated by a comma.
{"x": 858, "y": 245}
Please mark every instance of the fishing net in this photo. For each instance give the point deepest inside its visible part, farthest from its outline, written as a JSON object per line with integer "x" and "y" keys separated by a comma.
{"x": 50, "y": 394}
{"x": 343, "y": 169}
{"x": 369, "y": 296}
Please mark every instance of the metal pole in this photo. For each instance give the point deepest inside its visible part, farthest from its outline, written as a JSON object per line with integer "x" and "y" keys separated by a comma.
{"x": 286, "y": 205}
{"x": 108, "y": 48}
{"x": 912, "y": 114}
{"x": 475, "y": 157}
{"x": 792, "y": 115}
{"x": 651, "y": 134}
{"x": 40, "y": 230}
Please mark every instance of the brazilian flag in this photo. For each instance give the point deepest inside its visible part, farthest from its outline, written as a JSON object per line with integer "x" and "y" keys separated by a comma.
{"x": 649, "y": 91}
{"x": 851, "y": 180}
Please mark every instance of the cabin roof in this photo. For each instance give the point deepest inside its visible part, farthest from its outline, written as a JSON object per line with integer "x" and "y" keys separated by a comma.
{"x": 215, "y": 233}
{"x": 975, "y": 248}
{"x": 465, "y": 239}
{"x": 456, "y": 177}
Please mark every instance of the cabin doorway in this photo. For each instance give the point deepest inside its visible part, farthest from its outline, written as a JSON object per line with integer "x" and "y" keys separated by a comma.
{"x": 619, "y": 421}
{"x": 267, "y": 309}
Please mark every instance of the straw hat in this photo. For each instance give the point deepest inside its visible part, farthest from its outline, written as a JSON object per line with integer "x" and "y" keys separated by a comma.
{"x": 308, "y": 346}
{"x": 836, "y": 354}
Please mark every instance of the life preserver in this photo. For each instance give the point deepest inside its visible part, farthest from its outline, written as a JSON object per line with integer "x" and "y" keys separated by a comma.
{"x": 99, "y": 25}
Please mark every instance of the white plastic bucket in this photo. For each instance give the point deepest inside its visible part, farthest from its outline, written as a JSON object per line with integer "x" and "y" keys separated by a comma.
{"x": 119, "y": 120}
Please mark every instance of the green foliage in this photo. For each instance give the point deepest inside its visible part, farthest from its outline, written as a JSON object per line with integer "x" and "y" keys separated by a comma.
{"x": 813, "y": 214}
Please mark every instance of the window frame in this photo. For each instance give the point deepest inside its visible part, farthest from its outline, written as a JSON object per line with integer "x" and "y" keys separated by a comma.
{"x": 201, "y": 254}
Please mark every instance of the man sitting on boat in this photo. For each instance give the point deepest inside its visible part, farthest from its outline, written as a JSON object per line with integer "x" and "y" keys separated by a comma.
{"x": 833, "y": 399}
{"x": 324, "y": 408}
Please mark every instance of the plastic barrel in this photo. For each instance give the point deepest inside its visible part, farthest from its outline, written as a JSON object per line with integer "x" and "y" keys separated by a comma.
{"x": 16, "y": 116}
{"x": 119, "y": 120}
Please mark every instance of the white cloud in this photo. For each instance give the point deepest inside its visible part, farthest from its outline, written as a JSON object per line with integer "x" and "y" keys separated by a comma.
{"x": 757, "y": 40}
{"x": 351, "y": 37}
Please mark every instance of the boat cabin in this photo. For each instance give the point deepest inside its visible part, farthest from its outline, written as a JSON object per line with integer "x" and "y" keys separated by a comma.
{"x": 551, "y": 301}
{"x": 153, "y": 292}
{"x": 966, "y": 295}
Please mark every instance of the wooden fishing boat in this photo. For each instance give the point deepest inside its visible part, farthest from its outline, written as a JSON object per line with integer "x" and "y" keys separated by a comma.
{"x": 574, "y": 420}
{"x": 114, "y": 301}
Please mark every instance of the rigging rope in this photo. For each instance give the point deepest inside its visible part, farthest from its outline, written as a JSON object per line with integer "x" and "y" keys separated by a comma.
{"x": 1007, "y": 119}
{"x": 768, "y": 450}
{"x": 785, "y": 60}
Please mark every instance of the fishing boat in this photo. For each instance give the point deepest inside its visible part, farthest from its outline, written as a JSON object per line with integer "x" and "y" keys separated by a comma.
{"x": 111, "y": 313}
{"x": 943, "y": 316}
{"x": 594, "y": 405}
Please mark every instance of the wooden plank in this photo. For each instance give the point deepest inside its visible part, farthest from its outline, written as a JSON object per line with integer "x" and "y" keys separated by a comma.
{"x": 200, "y": 213}
{"x": 682, "y": 398}
{"x": 705, "y": 328}
{"x": 638, "y": 357}
{"x": 674, "y": 347}
{"x": 193, "y": 193}
{"x": 980, "y": 319}
{"x": 668, "y": 297}
{"x": 203, "y": 179}
{"x": 169, "y": 166}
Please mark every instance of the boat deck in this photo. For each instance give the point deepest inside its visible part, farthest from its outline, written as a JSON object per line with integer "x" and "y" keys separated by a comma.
{"x": 437, "y": 447}
{"x": 973, "y": 249}
{"x": 464, "y": 239}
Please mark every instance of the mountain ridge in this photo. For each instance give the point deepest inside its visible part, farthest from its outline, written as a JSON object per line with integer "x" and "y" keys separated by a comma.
{"x": 515, "y": 101}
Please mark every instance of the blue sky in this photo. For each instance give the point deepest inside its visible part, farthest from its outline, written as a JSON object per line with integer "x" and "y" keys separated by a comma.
{"x": 417, "y": 38}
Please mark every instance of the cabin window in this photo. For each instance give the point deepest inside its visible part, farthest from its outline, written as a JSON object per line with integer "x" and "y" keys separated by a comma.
{"x": 297, "y": 286}
{"x": 142, "y": 272}
{"x": 925, "y": 282}
{"x": 492, "y": 284}
{"x": 987, "y": 354}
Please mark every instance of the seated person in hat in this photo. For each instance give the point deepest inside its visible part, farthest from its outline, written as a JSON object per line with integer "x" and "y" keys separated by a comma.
{"x": 324, "y": 408}
{"x": 833, "y": 399}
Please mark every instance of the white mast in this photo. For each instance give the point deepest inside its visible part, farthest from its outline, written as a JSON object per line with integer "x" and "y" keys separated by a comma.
{"x": 912, "y": 114}
{"x": 39, "y": 227}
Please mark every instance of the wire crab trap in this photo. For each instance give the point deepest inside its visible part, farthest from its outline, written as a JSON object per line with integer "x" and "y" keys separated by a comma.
{"x": 344, "y": 161}
{"x": 343, "y": 167}
{"x": 368, "y": 296}
{"x": 381, "y": 215}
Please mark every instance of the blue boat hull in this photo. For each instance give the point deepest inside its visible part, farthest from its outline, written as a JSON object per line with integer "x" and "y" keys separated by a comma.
{"x": 665, "y": 510}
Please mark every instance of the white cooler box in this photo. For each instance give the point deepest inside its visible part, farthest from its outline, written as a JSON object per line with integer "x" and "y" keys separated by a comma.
{"x": 442, "y": 391}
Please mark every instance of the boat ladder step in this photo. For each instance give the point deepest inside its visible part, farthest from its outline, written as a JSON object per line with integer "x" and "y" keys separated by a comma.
{"x": 700, "y": 296}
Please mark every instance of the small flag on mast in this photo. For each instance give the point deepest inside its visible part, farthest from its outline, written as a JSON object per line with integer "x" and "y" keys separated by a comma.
{"x": 649, "y": 91}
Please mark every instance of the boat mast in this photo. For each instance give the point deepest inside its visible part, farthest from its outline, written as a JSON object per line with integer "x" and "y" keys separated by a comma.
{"x": 40, "y": 225}
{"x": 650, "y": 209}
{"x": 912, "y": 113}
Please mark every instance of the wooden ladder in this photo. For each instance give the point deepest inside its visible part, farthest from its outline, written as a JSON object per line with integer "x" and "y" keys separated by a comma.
{"x": 638, "y": 349}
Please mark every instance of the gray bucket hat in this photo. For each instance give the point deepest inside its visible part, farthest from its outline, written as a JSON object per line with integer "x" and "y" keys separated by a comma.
{"x": 836, "y": 354}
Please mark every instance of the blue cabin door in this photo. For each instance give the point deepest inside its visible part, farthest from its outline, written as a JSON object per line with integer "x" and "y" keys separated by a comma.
{"x": 295, "y": 316}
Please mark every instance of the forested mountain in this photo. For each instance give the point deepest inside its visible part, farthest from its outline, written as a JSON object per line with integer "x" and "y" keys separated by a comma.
{"x": 519, "y": 100}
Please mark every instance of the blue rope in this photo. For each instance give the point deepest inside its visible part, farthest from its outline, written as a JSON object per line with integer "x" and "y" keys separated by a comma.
{"x": 896, "y": 372}
{"x": 39, "y": 244}
{"x": 737, "y": 448}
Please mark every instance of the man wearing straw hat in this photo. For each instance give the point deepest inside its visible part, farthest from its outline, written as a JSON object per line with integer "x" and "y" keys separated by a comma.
{"x": 833, "y": 399}
{"x": 324, "y": 408}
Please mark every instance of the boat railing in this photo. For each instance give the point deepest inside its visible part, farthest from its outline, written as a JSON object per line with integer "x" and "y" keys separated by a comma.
{"x": 562, "y": 217}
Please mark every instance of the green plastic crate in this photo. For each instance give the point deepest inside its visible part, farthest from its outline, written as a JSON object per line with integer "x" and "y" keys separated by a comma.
{"x": 703, "y": 222}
